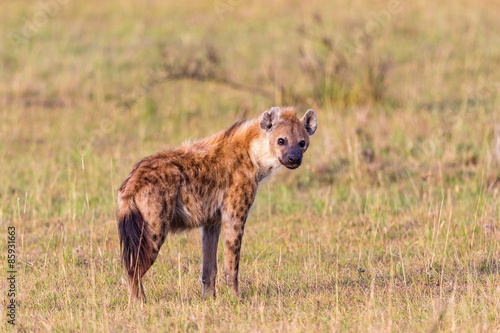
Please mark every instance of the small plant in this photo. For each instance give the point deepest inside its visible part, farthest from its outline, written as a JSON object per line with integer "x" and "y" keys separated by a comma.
{"x": 341, "y": 73}
{"x": 204, "y": 66}
{"x": 337, "y": 73}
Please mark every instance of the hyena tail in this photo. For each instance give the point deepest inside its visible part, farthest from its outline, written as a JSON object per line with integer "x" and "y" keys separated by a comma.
{"x": 135, "y": 243}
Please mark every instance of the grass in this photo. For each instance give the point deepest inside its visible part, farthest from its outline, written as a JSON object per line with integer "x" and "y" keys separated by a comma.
{"x": 391, "y": 223}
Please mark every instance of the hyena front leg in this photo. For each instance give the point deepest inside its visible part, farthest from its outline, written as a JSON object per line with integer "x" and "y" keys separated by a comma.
{"x": 210, "y": 240}
{"x": 237, "y": 203}
{"x": 233, "y": 231}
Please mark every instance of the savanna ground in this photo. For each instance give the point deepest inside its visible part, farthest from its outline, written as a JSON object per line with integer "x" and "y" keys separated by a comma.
{"x": 391, "y": 223}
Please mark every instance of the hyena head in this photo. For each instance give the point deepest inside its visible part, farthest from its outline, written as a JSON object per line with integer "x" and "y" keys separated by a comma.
{"x": 287, "y": 135}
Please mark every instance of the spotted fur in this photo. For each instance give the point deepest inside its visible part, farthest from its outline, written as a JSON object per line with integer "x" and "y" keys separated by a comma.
{"x": 211, "y": 184}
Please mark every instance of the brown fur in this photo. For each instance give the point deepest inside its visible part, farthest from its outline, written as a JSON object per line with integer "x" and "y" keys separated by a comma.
{"x": 210, "y": 184}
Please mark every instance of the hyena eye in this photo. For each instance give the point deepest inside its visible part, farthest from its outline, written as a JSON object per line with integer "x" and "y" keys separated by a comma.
{"x": 281, "y": 141}
{"x": 302, "y": 143}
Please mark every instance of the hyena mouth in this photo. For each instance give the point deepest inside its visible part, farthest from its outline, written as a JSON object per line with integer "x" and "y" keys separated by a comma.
{"x": 289, "y": 165}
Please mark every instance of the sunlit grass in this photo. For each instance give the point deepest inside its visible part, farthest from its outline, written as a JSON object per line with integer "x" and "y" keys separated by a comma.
{"x": 391, "y": 223}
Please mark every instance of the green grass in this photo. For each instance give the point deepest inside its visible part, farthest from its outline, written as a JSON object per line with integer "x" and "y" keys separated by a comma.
{"x": 390, "y": 224}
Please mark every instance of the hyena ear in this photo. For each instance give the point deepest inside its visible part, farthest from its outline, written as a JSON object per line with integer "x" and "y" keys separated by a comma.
{"x": 269, "y": 119}
{"x": 310, "y": 121}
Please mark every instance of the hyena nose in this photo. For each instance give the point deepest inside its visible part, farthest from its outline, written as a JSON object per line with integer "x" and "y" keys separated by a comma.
{"x": 293, "y": 159}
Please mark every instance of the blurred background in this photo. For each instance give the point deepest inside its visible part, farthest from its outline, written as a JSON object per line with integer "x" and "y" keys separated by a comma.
{"x": 391, "y": 223}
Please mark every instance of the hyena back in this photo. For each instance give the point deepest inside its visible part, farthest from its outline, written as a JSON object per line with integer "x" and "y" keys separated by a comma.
{"x": 210, "y": 184}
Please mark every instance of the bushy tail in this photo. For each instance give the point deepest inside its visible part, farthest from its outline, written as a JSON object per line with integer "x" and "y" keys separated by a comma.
{"x": 135, "y": 243}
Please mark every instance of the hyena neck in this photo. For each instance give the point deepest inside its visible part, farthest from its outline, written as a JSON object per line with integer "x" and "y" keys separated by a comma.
{"x": 262, "y": 157}
{"x": 247, "y": 136}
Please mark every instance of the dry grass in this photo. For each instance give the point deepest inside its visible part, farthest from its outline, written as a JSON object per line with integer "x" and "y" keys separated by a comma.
{"x": 391, "y": 224}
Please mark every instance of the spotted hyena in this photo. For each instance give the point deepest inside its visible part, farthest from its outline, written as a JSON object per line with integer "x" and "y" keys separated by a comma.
{"x": 210, "y": 184}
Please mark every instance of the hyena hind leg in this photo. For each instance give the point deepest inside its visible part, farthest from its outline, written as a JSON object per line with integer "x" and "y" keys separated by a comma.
{"x": 152, "y": 213}
{"x": 136, "y": 291}
{"x": 136, "y": 288}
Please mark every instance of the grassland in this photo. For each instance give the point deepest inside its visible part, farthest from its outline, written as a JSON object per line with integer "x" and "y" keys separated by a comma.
{"x": 391, "y": 224}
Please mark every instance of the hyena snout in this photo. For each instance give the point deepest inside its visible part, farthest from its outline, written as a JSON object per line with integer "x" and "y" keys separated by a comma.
{"x": 292, "y": 159}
